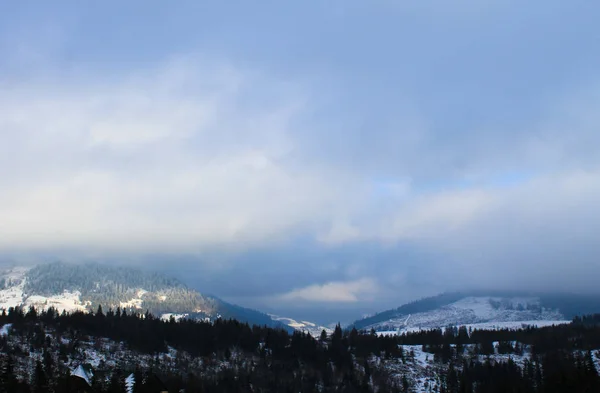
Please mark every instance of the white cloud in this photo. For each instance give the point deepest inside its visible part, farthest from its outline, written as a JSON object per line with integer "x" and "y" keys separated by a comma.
{"x": 336, "y": 291}
{"x": 173, "y": 158}
{"x": 186, "y": 156}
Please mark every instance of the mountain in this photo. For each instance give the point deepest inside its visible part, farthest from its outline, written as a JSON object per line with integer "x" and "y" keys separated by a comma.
{"x": 73, "y": 287}
{"x": 502, "y": 309}
{"x": 303, "y": 326}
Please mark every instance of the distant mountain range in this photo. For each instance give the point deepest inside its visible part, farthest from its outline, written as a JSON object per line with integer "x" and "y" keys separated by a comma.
{"x": 485, "y": 308}
{"x": 72, "y": 287}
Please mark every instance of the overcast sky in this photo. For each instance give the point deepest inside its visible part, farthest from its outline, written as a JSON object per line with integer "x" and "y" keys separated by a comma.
{"x": 319, "y": 159}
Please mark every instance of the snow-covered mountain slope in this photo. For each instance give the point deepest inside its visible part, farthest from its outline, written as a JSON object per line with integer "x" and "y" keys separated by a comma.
{"x": 12, "y": 294}
{"x": 84, "y": 287}
{"x": 515, "y": 325}
{"x": 303, "y": 326}
{"x": 486, "y": 311}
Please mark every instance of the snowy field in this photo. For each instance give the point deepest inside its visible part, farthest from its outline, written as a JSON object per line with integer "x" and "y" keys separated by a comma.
{"x": 472, "y": 311}
{"x": 303, "y": 326}
{"x": 483, "y": 326}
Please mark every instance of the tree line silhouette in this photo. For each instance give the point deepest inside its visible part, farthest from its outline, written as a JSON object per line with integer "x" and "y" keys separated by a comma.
{"x": 273, "y": 360}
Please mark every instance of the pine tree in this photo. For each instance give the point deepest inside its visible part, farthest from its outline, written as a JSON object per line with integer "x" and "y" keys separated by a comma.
{"x": 40, "y": 381}
{"x": 48, "y": 368}
{"x": 8, "y": 380}
{"x": 590, "y": 365}
{"x": 405, "y": 384}
{"x": 323, "y": 337}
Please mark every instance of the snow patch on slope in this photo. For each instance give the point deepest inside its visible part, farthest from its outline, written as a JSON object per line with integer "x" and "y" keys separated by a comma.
{"x": 473, "y": 311}
{"x": 67, "y": 301}
{"x": 177, "y": 317}
{"x": 303, "y": 326}
{"x": 5, "y": 330}
{"x": 135, "y": 302}
{"x": 13, "y": 295}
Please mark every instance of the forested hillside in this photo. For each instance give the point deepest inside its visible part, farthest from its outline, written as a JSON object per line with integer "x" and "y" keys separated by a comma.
{"x": 46, "y": 351}
{"x": 111, "y": 285}
{"x": 74, "y": 287}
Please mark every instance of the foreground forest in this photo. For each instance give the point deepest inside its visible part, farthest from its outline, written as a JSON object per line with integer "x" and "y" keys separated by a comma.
{"x": 40, "y": 351}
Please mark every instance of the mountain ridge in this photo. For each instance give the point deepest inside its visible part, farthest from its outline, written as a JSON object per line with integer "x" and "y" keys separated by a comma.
{"x": 84, "y": 287}
{"x": 480, "y": 306}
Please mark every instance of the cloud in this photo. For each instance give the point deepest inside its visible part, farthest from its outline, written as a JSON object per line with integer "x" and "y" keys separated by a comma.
{"x": 171, "y": 157}
{"x": 179, "y": 158}
{"x": 344, "y": 292}
{"x": 467, "y": 158}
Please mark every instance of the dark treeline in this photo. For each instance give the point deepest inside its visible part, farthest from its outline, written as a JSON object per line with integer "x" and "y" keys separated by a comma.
{"x": 552, "y": 372}
{"x": 561, "y": 357}
{"x": 274, "y": 360}
{"x": 581, "y": 335}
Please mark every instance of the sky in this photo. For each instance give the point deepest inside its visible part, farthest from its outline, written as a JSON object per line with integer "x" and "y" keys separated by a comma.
{"x": 315, "y": 159}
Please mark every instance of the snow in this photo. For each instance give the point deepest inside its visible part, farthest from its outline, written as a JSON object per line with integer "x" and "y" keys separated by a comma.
{"x": 135, "y": 302}
{"x": 474, "y": 311}
{"x": 92, "y": 357}
{"x": 421, "y": 370}
{"x": 514, "y": 325}
{"x": 424, "y": 373}
{"x": 480, "y": 306}
{"x": 420, "y": 356}
{"x": 4, "y": 330}
{"x": 67, "y": 301}
{"x": 387, "y": 333}
{"x": 13, "y": 294}
{"x": 304, "y": 326}
{"x": 81, "y": 373}
{"x": 130, "y": 383}
{"x": 167, "y": 316}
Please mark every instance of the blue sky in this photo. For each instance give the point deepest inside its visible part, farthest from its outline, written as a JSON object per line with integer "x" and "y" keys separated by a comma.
{"x": 316, "y": 158}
